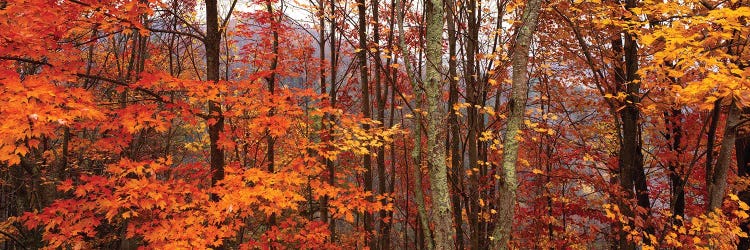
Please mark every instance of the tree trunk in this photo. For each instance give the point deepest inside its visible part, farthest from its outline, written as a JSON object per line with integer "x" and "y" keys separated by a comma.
{"x": 380, "y": 112}
{"x": 711, "y": 140}
{"x": 517, "y": 104}
{"x": 332, "y": 95}
{"x": 632, "y": 176}
{"x": 455, "y": 134}
{"x": 416, "y": 154}
{"x": 441, "y": 204}
{"x": 719, "y": 176}
{"x": 392, "y": 73}
{"x": 742, "y": 150}
{"x": 216, "y": 123}
{"x": 424, "y": 234}
{"x": 365, "y": 91}
{"x": 674, "y": 136}
{"x": 472, "y": 98}
{"x": 323, "y": 208}
{"x": 271, "y": 81}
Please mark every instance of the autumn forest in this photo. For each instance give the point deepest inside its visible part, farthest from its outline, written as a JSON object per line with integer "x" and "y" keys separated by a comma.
{"x": 374, "y": 124}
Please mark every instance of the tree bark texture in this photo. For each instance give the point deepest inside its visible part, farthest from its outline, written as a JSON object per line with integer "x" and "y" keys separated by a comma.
{"x": 441, "y": 204}
{"x": 517, "y": 105}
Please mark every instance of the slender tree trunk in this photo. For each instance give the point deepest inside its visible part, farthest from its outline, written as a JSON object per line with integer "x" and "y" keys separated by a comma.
{"x": 547, "y": 149}
{"x": 455, "y": 136}
{"x": 674, "y": 136}
{"x": 424, "y": 234}
{"x": 271, "y": 80}
{"x": 472, "y": 98}
{"x": 332, "y": 97}
{"x": 632, "y": 173}
{"x": 742, "y": 150}
{"x": 441, "y": 206}
{"x": 323, "y": 126}
{"x": 623, "y": 177}
{"x": 365, "y": 91}
{"x": 517, "y": 104}
{"x": 719, "y": 177}
{"x": 711, "y": 141}
{"x": 380, "y": 110}
{"x": 393, "y": 74}
{"x": 418, "y": 195}
{"x": 216, "y": 123}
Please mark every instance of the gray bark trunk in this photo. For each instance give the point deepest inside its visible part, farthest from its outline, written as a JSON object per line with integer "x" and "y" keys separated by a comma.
{"x": 719, "y": 177}
{"x": 417, "y": 151}
{"x": 441, "y": 203}
{"x": 517, "y": 104}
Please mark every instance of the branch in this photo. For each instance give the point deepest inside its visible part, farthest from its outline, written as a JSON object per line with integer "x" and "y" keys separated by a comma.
{"x": 229, "y": 14}
{"x": 176, "y": 32}
{"x": 21, "y": 59}
{"x": 52, "y": 66}
{"x": 191, "y": 26}
{"x": 134, "y": 26}
{"x": 146, "y": 91}
{"x": 18, "y": 242}
{"x": 104, "y": 13}
{"x": 97, "y": 38}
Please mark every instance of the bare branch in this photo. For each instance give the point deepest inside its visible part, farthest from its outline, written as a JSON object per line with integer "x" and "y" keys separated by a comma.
{"x": 176, "y": 32}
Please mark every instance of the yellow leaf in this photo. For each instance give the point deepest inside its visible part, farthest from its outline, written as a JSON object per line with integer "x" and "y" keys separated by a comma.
{"x": 734, "y": 197}
{"x": 744, "y": 206}
{"x": 741, "y": 214}
{"x": 609, "y": 214}
{"x": 524, "y": 162}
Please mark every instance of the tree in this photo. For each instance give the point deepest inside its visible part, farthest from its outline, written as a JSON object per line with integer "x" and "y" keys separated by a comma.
{"x": 441, "y": 218}
{"x": 517, "y": 105}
